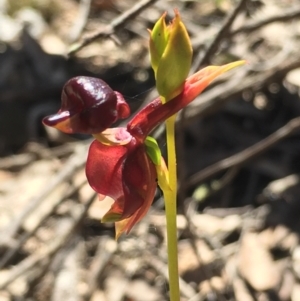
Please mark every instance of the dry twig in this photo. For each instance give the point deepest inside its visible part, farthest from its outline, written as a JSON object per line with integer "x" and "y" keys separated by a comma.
{"x": 114, "y": 25}
{"x": 287, "y": 15}
{"x": 84, "y": 9}
{"x": 222, "y": 34}
{"x": 42, "y": 258}
{"x": 200, "y": 61}
{"x": 74, "y": 163}
{"x": 24, "y": 237}
{"x": 244, "y": 156}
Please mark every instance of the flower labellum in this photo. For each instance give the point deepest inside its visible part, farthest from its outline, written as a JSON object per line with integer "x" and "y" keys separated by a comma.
{"x": 88, "y": 106}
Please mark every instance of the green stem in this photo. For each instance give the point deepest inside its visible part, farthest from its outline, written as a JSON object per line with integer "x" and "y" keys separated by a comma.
{"x": 171, "y": 211}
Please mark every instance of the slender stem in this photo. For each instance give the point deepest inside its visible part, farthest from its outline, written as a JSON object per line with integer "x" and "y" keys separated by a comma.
{"x": 170, "y": 206}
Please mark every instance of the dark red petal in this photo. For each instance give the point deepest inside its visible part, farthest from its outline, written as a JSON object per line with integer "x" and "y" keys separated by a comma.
{"x": 88, "y": 106}
{"x": 122, "y": 172}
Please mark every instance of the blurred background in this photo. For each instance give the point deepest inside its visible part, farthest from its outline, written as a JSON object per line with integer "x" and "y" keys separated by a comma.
{"x": 238, "y": 153}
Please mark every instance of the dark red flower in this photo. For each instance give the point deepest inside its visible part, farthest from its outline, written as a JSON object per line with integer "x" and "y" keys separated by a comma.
{"x": 118, "y": 164}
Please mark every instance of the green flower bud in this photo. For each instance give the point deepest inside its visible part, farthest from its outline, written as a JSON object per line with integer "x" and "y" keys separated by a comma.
{"x": 171, "y": 56}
